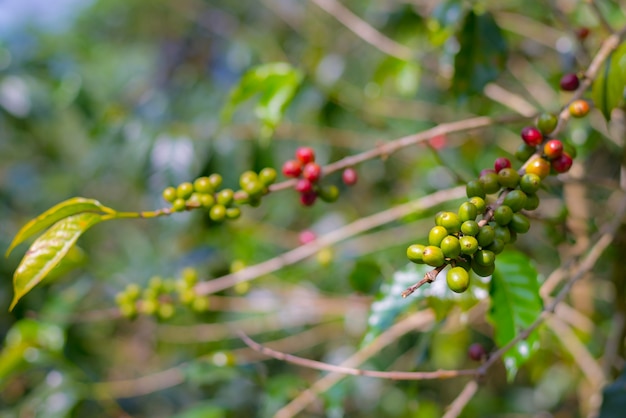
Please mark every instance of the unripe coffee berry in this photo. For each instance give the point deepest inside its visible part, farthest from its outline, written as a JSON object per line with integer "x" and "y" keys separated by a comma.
{"x": 579, "y": 108}
{"x": 496, "y": 247}
{"x": 501, "y": 163}
{"x": 248, "y": 177}
{"x": 476, "y": 352}
{"x": 414, "y": 253}
{"x": 479, "y": 202}
{"x": 563, "y": 163}
{"x": 546, "y": 122}
{"x": 225, "y": 197}
{"x": 486, "y": 235}
{"x": 254, "y": 188}
{"x": 484, "y": 258}
{"x": 470, "y": 228}
{"x": 267, "y": 176}
{"x": 308, "y": 198}
{"x": 169, "y": 194}
{"x": 538, "y": 166}
{"x": 305, "y": 155}
{"x": 433, "y": 256}
{"x": 215, "y": 180}
{"x": 467, "y": 211}
{"x": 508, "y": 177}
{"x": 184, "y": 190}
{"x": 490, "y": 183}
{"x": 217, "y": 213}
{"x": 469, "y": 244}
{"x": 451, "y": 222}
{"x": 482, "y": 271}
{"x": 436, "y": 235}
{"x": 532, "y": 202}
{"x": 474, "y": 188}
{"x": 233, "y": 213}
{"x": 532, "y": 136}
{"x": 553, "y": 149}
{"x": 450, "y": 246}
{"x": 292, "y": 168}
{"x": 502, "y": 215}
{"x": 179, "y": 205}
{"x": 329, "y": 193}
{"x": 206, "y": 200}
{"x": 502, "y": 233}
{"x": 530, "y": 183}
{"x": 524, "y": 152}
{"x": 515, "y": 199}
{"x": 569, "y": 82}
{"x": 457, "y": 279}
{"x": 203, "y": 185}
{"x": 519, "y": 224}
{"x": 349, "y": 176}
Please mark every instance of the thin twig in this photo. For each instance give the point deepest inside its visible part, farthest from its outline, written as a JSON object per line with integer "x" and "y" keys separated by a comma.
{"x": 428, "y": 278}
{"x": 456, "y": 407}
{"x": 364, "y": 30}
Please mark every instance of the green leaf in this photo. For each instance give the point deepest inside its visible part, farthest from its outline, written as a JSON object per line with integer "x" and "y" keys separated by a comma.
{"x": 364, "y": 275}
{"x": 56, "y": 213}
{"x": 614, "y": 398}
{"x": 203, "y": 410}
{"x": 608, "y": 89}
{"x": 390, "y": 304}
{"x": 48, "y": 250}
{"x": 405, "y": 75}
{"x": 443, "y": 19}
{"x": 482, "y": 54}
{"x": 276, "y": 83}
{"x": 515, "y": 305}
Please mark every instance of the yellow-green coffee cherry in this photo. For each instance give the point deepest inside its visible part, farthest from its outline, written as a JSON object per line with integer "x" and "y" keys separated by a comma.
{"x": 457, "y": 279}
{"x": 469, "y": 244}
{"x": 179, "y": 205}
{"x": 470, "y": 228}
{"x": 450, "y": 221}
{"x": 215, "y": 180}
{"x": 225, "y": 197}
{"x": 414, "y": 253}
{"x": 468, "y": 211}
{"x": 433, "y": 256}
{"x": 169, "y": 194}
{"x": 267, "y": 176}
{"x": 486, "y": 235}
{"x": 184, "y": 190}
{"x": 217, "y": 212}
{"x": 509, "y": 178}
{"x": 480, "y": 204}
{"x": 484, "y": 258}
{"x": 206, "y": 200}
{"x": 474, "y": 188}
{"x": 436, "y": 235}
{"x": 489, "y": 181}
{"x": 515, "y": 199}
{"x": 502, "y": 215}
{"x": 530, "y": 183}
{"x": 233, "y": 213}
{"x": 519, "y": 223}
{"x": 203, "y": 185}
{"x": 451, "y": 247}
{"x": 328, "y": 193}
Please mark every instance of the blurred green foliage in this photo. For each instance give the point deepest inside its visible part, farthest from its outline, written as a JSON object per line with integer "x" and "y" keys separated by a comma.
{"x": 125, "y": 99}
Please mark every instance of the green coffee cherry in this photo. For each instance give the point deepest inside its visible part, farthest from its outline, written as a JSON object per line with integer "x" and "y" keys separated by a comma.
{"x": 532, "y": 202}
{"x": 233, "y": 213}
{"x": 519, "y": 223}
{"x": 469, "y": 244}
{"x": 414, "y": 253}
{"x": 515, "y": 199}
{"x": 502, "y": 233}
{"x": 490, "y": 183}
{"x": 200, "y": 304}
{"x": 457, "y": 279}
{"x": 486, "y": 235}
{"x": 328, "y": 193}
{"x": 184, "y": 190}
{"x": 470, "y": 228}
{"x": 468, "y": 211}
{"x": 254, "y": 188}
{"x": 165, "y": 310}
{"x": 169, "y": 194}
{"x": 436, "y": 235}
{"x": 474, "y": 189}
{"x": 248, "y": 177}
{"x": 480, "y": 204}
{"x": 483, "y": 271}
{"x": 217, "y": 212}
{"x": 509, "y": 178}
{"x": 451, "y": 247}
{"x": 546, "y": 122}
{"x": 267, "y": 176}
{"x": 433, "y": 256}
{"x": 497, "y": 246}
{"x": 530, "y": 183}
{"x": 179, "y": 205}
{"x": 206, "y": 200}
{"x": 451, "y": 222}
{"x": 524, "y": 152}
{"x": 149, "y": 306}
{"x": 203, "y": 185}
{"x": 225, "y": 197}
{"x": 502, "y": 215}
{"x": 484, "y": 258}
{"x": 215, "y": 180}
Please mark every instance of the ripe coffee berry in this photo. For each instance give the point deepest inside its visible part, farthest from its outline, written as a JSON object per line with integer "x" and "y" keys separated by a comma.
{"x": 304, "y": 186}
{"x": 501, "y": 163}
{"x": 476, "y": 352}
{"x": 312, "y": 172}
{"x": 349, "y": 176}
{"x": 553, "y": 149}
{"x": 532, "y": 136}
{"x": 582, "y": 33}
{"x": 538, "y": 166}
{"x": 305, "y": 155}
{"x": 563, "y": 163}
{"x": 569, "y": 82}
{"x": 308, "y": 198}
{"x": 306, "y": 236}
{"x": 292, "y": 168}
{"x": 579, "y": 108}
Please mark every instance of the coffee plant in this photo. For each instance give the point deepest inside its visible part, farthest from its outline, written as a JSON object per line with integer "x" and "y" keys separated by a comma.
{"x": 314, "y": 208}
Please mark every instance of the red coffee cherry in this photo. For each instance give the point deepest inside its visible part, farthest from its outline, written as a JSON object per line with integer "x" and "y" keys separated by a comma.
{"x": 532, "y": 136}
{"x": 304, "y": 186}
{"x": 312, "y": 172}
{"x": 569, "y": 82}
{"x": 501, "y": 163}
{"x": 306, "y": 236}
{"x": 563, "y": 163}
{"x": 308, "y": 198}
{"x": 349, "y": 176}
{"x": 477, "y": 352}
{"x": 292, "y": 168}
{"x": 582, "y": 33}
{"x": 305, "y": 155}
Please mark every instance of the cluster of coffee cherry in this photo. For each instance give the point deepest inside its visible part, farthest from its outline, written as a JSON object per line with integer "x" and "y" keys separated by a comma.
{"x": 222, "y": 203}
{"x": 471, "y": 238}
{"x": 308, "y": 174}
{"x": 159, "y": 297}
